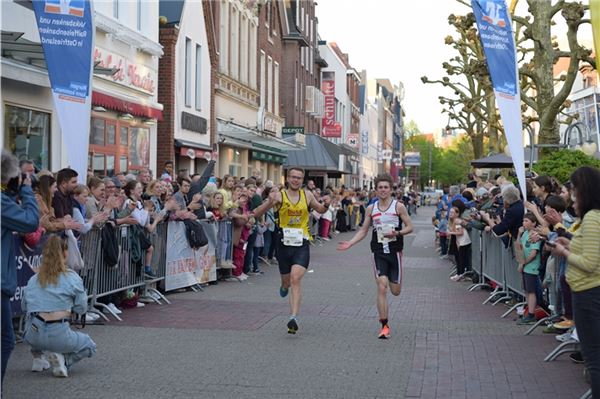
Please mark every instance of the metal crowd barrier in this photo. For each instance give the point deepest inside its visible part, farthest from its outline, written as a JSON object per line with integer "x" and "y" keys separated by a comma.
{"x": 477, "y": 257}
{"x": 493, "y": 268}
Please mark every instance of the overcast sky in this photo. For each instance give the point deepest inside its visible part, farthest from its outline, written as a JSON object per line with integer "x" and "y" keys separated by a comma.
{"x": 400, "y": 40}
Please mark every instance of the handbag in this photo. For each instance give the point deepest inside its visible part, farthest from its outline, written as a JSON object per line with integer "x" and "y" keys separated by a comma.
{"x": 74, "y": 259}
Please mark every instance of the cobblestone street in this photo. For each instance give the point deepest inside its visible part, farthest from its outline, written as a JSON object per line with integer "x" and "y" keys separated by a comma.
{"x": 230, "y": 341}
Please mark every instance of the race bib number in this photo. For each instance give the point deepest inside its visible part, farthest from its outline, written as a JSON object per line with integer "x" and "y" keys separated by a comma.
{"x": 382, "y": 231}
{"x": 292, "y": 237}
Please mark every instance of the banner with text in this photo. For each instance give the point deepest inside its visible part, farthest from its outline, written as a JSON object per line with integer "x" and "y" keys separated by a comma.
{"x": 67, "y": 34}
{"x": 185, "y": 266}
{"x": 28, "y": 262}
{"x": 330, "y": 128}
{"x": 497, "y": 39}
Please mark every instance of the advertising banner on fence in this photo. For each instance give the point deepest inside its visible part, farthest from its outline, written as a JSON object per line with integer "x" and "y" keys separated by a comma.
{"x": 28, "y": 262}
{"x": 330, "y": 127}
{"x": 181, "y": 262}
{"x": 185, "y": 266}
{"x": 497, "y": 39}
{"x": 67, "y": 35}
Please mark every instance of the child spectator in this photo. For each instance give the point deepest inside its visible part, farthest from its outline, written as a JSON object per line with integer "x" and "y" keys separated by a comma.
{"x": 443, "y": 233}
{"x": 530, "y": 266}
{"x": 463, "y": 243}
{"x": 259, "y": 244}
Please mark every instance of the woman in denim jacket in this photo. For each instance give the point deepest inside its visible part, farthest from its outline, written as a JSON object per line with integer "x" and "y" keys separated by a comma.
{"x": 49, "y": 298}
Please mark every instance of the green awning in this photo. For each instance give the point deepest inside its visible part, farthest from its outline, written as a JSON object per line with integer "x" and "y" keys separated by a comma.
{"x": 266, "y": 157}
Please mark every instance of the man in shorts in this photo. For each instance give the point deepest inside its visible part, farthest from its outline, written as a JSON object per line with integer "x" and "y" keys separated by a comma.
{"x": 293, "y": 206}
{"x": 389, "y": 220}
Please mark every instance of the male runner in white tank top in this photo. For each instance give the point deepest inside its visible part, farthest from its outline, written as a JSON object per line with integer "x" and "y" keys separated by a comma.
{"x": 389, "y": 220}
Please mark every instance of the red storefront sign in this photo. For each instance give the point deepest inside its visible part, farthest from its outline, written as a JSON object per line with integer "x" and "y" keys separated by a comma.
{"x": 330, "y": 128}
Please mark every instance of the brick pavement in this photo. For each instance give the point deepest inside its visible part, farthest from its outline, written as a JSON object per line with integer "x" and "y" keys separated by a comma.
{"x": 230, "y": 342}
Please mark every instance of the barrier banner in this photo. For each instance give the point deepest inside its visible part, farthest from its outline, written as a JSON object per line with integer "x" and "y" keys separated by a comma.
{"x": 28, "y": 262}
{"x": 181, "y": 260}
{"x": 206, "y": 258}
{"x": 67, "y": 34}
{"x": 495, "y": 31}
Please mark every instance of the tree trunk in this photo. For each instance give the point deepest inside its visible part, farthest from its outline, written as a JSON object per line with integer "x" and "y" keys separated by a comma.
{"x": 543, "y": 60}
{"x": 477, "y": 143}
{"x": 491, "y": 125}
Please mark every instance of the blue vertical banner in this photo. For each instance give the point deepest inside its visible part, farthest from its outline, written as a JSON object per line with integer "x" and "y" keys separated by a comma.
{"x": 497, "y": 38}
{"x": 67, "y": 35}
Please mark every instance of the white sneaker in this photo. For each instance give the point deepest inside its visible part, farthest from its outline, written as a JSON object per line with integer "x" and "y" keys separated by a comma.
{"x": 91, "y": 317}
{"x": 115, "y": 309}
{"x": 40, "y": 364}
{"x": 564, "y": 337}
{"x": 57, "y": 360}
{"x": 154, "y": 296}
{"x": 139, "y": 305}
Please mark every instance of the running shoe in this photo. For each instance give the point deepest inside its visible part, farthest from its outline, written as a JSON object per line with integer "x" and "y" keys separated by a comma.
{"x": 283, "y": 292}
{"x": 292, "y": 326}
{"x": 385, "y": 332}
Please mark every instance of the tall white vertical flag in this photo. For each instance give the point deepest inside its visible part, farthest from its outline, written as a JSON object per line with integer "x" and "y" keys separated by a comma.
{"x": 497, "y": 39}
{"x": 67, "y": 34}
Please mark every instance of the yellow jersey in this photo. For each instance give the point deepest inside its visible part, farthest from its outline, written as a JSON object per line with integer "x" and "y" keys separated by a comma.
{"x": 294, "y": 215}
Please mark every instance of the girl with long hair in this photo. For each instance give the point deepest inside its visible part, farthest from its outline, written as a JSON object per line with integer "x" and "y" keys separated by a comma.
{"x": 49, "y": 298}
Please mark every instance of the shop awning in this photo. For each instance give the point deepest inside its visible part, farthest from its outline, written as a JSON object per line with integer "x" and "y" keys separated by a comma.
{"x": 129, "y": 105}
{"x": 322, "y": 155}
{"x": 232, "y": 134}
{"x": 266, "y": 157}
{"x": 192, "y": 144}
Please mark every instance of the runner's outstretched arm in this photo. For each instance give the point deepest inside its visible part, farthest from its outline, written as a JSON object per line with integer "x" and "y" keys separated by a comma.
{"x": 360, "y": 234}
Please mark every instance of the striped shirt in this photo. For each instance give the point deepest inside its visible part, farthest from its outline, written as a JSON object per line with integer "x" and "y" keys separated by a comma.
{"x": 583, "y": 272}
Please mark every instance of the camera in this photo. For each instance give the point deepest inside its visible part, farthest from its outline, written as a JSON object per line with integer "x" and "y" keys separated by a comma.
{"x": 16, "y": 182}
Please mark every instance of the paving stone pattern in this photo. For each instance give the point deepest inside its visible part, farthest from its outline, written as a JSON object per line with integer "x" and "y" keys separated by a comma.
{"x": 230, "y": 341}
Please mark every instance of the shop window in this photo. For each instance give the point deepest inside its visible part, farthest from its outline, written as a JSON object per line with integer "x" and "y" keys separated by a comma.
{"x": 235, "y": 166}
{"x": 139, "y": 149}
{"x": 124, "y": 138}
{"x": 27, "y": 134}
{"x": 111, "y": 134}
{"x": 110, "y": 165}
{"x": 97, "y": 133}
{"x": 123, "y": 164}
{"x": 98, "y": 164}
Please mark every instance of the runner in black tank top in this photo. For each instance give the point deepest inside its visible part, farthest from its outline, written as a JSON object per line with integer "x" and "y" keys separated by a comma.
{"x": 389, "y": 221}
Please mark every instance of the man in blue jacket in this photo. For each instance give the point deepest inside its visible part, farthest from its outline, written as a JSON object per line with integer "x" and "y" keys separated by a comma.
{"x": 17, "y": 217}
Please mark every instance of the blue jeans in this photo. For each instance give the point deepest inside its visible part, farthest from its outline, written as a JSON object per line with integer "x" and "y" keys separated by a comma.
{"x": 444, "y": 245}
{"x": 8, "y": 335}
{"x": 249, "y": 251}
{"x": 256, "y": 251}
{"x": 59, "y": 338}
{"x": 586, "y": 309}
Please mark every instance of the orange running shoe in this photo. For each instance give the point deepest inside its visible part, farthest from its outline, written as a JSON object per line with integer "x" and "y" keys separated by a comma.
{"x": 385, "y": 332}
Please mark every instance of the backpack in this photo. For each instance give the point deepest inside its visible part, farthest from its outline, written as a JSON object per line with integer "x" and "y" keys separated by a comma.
{"x": 110, "y": 245}
{"x": 195, "y": 234}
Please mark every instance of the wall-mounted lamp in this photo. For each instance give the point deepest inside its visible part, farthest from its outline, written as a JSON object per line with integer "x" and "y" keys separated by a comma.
{"x": 149, "y": 122}
{"x": 222, "y": 140}
{"x": 126, "y": 117}
{"x": 98, "y": 108}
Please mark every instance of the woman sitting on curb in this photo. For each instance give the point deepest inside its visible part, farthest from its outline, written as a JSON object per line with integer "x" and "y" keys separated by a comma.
{"x": 49, "y": 298}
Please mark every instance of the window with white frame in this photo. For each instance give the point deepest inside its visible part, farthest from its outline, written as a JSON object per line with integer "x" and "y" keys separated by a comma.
{"x": 198, "y": 77}
{"x": 252, "y": 62}
{"x": 235, "y": 43}
{"x": 276, "y": 90}
{"x": 244, "y": 67}
{"x": 188, "y": 73}
{"x": 235, "y": 164}
{"x": 263, "y": 86}
{"x": 269, "y": 84}
{"x": 224, "y": 38}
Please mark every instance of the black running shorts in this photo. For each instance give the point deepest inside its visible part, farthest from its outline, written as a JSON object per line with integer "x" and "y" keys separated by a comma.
{"x": 288, "y": 256}
{"x": 389, "y": 265}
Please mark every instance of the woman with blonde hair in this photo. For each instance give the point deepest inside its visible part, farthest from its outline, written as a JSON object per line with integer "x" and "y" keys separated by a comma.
{"x": 48, "y": 299}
